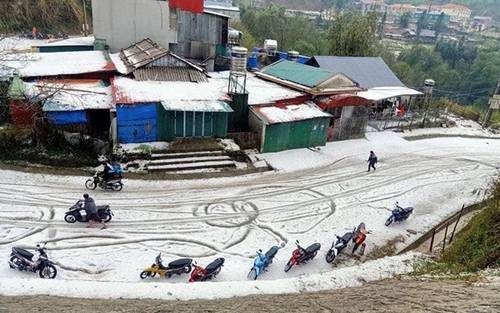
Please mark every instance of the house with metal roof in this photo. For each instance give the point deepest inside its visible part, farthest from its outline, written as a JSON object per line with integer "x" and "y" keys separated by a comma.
{"x": 308, "y": 79}
{"x": 164, "y": 110}
{"x": 81, "y": 105}
{"x": 293, "y": 126}
{"x": 371, "y": 73}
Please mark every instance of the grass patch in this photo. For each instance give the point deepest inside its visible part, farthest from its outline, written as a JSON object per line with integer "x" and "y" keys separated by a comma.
{"x": 477, "y": 246}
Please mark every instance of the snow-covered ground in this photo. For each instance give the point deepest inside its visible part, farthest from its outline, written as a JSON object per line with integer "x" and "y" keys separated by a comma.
{"x": 315, "y": 195}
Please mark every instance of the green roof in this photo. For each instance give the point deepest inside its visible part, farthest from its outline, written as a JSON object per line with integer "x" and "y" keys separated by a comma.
{"x": 298, "y": 73}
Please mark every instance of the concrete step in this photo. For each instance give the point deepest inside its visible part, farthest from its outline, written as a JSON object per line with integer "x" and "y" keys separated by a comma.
{"x": 155, "y": 156}
{"x": 190, "y": 160}
{"x": 191, "y": 166}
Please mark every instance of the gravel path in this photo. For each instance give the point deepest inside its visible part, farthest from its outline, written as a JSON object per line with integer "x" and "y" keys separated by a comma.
{"x": 395, "y": 295}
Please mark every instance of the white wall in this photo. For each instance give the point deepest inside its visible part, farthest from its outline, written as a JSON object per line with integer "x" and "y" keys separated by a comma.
{"x": 124, "y": 22}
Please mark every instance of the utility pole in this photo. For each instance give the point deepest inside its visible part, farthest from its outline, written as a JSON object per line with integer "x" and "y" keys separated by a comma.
{"x": 85, "y": 24}
{"x": 494, "y": 105}
{"x": 428, "y": 86}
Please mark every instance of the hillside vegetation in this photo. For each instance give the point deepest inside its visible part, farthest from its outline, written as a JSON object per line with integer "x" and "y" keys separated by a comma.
{"x": 48, "y": 16}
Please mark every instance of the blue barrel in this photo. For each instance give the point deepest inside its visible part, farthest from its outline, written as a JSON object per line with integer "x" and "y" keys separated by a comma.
{"x": 253, "y": 63}
{"x": 283, "y": 55}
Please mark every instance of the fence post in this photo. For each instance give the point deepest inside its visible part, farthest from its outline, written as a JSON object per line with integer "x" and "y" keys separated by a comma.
{"x": 456, "y": 224}
{"x": 445, "y": 234}
{"x": 432, "y": 239}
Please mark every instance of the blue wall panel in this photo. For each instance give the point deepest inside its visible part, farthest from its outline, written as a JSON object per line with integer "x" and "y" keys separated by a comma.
{"x": 67, "y": 117}
{"x": 137, "y": 123}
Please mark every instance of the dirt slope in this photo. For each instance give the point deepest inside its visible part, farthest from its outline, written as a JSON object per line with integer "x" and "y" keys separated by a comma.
{"x": 395, "y": 295}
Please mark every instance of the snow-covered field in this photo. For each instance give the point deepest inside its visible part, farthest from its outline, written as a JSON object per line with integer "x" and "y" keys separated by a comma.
{"x": 314, "y": 196}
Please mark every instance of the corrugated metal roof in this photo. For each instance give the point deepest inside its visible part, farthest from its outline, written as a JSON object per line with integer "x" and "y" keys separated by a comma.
{"x": 141, "y": 53}
{"x": 298, "y": 73}
{"x": 288, "y": 113}
{"x": 172, "y": 74}
{"x": 369, "y": 72}
{"x": 196, "y": 106}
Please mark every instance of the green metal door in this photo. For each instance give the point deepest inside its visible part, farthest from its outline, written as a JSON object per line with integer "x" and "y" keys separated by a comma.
{"x": 179, "y": 124}
{"x": 198, "y": 124}
{"x": 208, "y": 124}
{"x": 299, "y": 134}
{"x": 189, "y": 124}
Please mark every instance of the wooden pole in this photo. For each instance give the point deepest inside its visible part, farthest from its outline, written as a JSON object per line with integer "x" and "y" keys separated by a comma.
{"x": 456, "y": 224}
{"x": 432, "y": 239}
{"x": 85, "y": 30}
{"x": 445, "y": 234}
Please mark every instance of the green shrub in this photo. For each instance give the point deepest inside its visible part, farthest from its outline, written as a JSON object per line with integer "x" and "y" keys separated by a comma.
{"x": 467, "y": 112}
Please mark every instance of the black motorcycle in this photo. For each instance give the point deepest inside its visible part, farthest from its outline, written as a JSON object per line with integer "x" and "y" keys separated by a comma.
{"x": 114, "y": 183}
{"x": 74, "y": 213}
{"x": 22, "y": 260}
{"x": 339, "y": 245}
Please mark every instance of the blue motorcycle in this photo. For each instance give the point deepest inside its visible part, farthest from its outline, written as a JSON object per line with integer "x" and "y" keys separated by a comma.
{"x": 261, "y": 262}
{"x": 399, "y": 214}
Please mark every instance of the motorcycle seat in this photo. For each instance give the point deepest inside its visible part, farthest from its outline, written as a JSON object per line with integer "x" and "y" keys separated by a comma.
{"x": 179, "y": 263}
{"x": 272, "y": 252}
{"x": 313, "y": 247}
{"x": 214, "y": 265}
{"x": 102, "y": 207}
{"x": 25, "y": 254}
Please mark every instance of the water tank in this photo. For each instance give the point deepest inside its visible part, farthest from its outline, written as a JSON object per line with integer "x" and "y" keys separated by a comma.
{"x": 234, "y": 36}
{"x": 253, "y": 63}
{"x": 270, "y": 45}
{"x": 239, "y": 59}
{"x": 293, "y": 56}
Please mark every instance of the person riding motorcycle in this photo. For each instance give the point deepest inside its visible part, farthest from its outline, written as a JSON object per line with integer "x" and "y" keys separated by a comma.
{"x": 110, "y": 170}
{"x": 91, "y": 210}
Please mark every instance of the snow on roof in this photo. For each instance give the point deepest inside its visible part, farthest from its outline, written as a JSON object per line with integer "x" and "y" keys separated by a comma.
{"x": 380, "y": 93}
{"x": 53, "y": 64}
{"x": 121, "y": 67}
{"x": 261, "y": 91}
{"x": 74, "y": 41}
{"x": 221, "y": 7}
{"x": 289, "y": 113}
{"x": 197, "y": 106}
{"x": 128, "y": 90}
{"x": 70, "y": 95}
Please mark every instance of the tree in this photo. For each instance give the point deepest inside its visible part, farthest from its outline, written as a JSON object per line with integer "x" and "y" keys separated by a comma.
{"x": 353, "y": 35}
{"x": 381, "y": 25}
{"x": 421, "y": 24}
{"x": 439, "y": 26}
{"x": 404, "y": 20}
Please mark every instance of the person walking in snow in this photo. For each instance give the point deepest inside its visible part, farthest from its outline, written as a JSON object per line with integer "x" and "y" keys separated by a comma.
{"x": 372, "y": 159}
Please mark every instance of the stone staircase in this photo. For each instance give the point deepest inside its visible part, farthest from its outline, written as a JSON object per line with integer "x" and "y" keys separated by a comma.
{"x": 178, "y": 162}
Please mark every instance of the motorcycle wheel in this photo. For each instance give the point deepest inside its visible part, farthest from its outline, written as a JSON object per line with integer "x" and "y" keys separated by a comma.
{"x": 15, "y": 260}
{"x": 330, "y": 256}
{"x": 105, "y": 217}
{"x": 90, "y": 184}
{"x": 288, "y": 266}
{"x": 144, "y": 274}
{"x": 252, "y": 275}
{"x": 117, "y": 187}
{"x": 48, "y": 271}
{"x": 389, "y": 221}
{"x": 70, "y": 218}
{"x": 187, "y": 269}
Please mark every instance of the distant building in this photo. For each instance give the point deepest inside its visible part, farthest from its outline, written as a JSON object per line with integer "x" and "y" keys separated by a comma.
{"x": 458, "y": 13}
{"x": 398, "y": 9}
{"x": 183, "y": 27}
{"x": 225, "y": 7}
{"x": 480, "y": 23}
{"x": 372, "y": 6}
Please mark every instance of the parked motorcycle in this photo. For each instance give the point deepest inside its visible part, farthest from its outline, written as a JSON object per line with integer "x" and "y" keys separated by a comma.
{"x": 261, "y": 262}
{"x": 359, "y": 238}
{"x": 74, "y": 213}
{"x": 212, "y": 270}
{"x": 114, "y": 183}
{"x": 22, "y": 260}
{"x": 301, "y": 255}
{"x": 399, "y": 214}
{"x": 339, "y": 245}
{"x": 177, "y": 267}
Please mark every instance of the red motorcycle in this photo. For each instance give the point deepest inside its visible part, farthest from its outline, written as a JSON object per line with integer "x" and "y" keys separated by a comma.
{"x": 201, "y": 274}
{"x": 301, "y": 255}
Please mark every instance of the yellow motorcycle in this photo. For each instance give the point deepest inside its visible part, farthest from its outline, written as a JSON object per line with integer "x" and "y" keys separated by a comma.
{"x": 178, "y": 267}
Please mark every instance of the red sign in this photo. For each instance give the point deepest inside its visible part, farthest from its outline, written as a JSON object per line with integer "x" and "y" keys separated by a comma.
{"x": 195, "y": 6}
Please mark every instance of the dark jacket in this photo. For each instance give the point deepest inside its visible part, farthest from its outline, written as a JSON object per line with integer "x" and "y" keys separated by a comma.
{"x": 89, "y": 205}
{"x": 372, "y": 158}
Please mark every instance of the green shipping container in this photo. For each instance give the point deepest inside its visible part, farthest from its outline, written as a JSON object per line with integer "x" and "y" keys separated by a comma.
{"x": 295, "y": 135}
